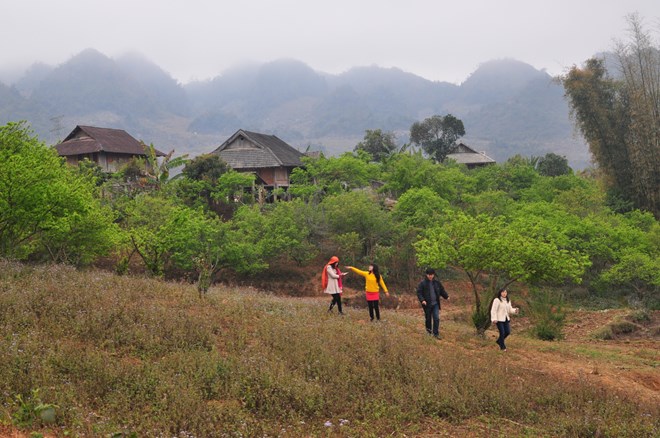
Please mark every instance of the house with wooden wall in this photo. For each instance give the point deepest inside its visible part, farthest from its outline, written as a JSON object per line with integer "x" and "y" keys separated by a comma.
{"x": 464, "y": 154}
{"x": 110, "y": 148}
{"x": 268, "y": 157}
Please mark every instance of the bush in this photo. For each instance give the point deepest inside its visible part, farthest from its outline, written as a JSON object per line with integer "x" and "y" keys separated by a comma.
{"x": 604, "y": 333}
{"x": 548, "y": 315}
{"x": 639, "y": 316}
{"x": 623, "y": 327}
{"x": 619, "y": 327}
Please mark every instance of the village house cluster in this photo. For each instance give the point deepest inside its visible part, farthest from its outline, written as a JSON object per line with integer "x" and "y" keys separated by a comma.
{"x": 269, "y": 158}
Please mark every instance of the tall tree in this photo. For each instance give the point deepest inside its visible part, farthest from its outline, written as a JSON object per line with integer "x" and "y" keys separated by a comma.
{"x": 378, "y": 144}
{"x": 639, "y": 62}
{"x": 620, "y": 118}
{"x": 437, "y": 135}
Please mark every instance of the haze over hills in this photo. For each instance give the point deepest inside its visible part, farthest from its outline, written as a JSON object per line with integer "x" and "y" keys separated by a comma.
{"x": 507, "y": 106}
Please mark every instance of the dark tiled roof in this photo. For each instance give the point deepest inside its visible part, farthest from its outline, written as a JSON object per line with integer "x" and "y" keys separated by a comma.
{"x": 90, "y": 139}
{"x": 267, "y": 151}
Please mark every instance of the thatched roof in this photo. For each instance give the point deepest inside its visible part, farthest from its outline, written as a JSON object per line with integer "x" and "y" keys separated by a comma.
{"x": 464, "y": 154}
{"x": 251, "y": 150}
{"x": 90, "y": 139}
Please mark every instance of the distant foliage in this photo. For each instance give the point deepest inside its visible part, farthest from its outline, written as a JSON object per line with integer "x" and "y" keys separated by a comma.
{"x": 378, "y": 144}
{"x": 437, "y": 135}
{"x": 553, "y": 165}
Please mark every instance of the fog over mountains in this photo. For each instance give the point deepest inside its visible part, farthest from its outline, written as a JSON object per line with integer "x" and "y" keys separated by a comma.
{"x": 508, "y": 107}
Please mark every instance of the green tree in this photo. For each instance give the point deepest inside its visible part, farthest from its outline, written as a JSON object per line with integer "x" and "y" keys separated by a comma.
{"x": 80, "y": 237}
{"x": 208, "y": 182}
{"x": 289, "y": 232}
{"x": 549, "y": 188}
{"x": 406, "y": 171}
{"x": 437, "y": 135}
{"x": 513, "y": 177}
{"x": 378, "y": 144}
{"x": 419, "y": 208}
{"x": 193, "y": 241}
{"x": 46, "y": 208}
{"x": 333, "y": 175}
{"x": 553, "y": 165}
{"x": 504, "y": 252}
{"x": 206, "y": 167}
{"x": 158, "y": 170}
{"x": 147, "y": 221}
{"x": 361, "y": 213}
{"x": 638, "y": 271}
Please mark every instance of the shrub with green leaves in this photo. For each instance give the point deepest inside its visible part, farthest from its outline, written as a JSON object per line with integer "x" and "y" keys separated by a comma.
{"x": 548, "y": 315}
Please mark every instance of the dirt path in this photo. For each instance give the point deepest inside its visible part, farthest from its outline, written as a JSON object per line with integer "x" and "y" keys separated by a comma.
{"x": 628, "y": 365}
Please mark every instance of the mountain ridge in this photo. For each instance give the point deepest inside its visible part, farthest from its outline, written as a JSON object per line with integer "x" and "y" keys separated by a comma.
{"x": 508, "y": 107}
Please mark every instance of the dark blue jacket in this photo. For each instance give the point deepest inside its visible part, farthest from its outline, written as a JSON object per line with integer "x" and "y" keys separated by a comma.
{"x": 423, "y": 290}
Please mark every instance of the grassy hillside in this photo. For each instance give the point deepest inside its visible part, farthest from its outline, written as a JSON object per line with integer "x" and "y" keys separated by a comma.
{"x": 144, "y": 357}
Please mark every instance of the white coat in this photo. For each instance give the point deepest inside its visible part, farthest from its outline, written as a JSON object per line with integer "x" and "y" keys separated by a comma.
{"x": 501, "y": 310}
{"x": 333, "y": 281}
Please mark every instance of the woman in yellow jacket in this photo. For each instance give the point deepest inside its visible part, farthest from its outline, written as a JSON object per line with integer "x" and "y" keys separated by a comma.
{"x": 373, "y": 283}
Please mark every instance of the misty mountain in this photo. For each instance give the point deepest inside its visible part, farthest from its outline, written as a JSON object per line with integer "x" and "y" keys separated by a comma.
{"x": 32, "y": 78}
{"x": 507, "y": 106}
{"x": 91, "y": 82}
{"x": 12, "y": 104}
{"x": 164, "y": 91}
{"x": 497, "y": 81}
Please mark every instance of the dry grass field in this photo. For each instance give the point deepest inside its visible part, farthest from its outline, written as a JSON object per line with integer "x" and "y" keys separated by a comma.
{"x": 122, "y": 356}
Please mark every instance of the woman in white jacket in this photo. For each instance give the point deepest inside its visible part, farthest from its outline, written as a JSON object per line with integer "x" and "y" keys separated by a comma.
{"x": 499, "y": 314}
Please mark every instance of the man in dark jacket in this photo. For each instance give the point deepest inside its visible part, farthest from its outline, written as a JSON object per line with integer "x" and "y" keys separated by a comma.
{"x": 429, "y": 292}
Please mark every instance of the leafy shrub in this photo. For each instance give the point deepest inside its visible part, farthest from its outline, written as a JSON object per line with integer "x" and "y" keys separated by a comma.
{"x": 548, "y": 315}
{"x": 31, "y": 409}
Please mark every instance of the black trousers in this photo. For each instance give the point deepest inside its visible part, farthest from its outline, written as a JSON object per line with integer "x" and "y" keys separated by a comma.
{"x": 504, "y": 328}
{"x": 373, "y": 308}
{"x": 336, "y": 299}
{"x": 432, "y": 318}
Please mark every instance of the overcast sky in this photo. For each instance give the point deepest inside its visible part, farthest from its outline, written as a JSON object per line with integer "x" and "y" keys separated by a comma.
{"x": 435, "y": 39}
